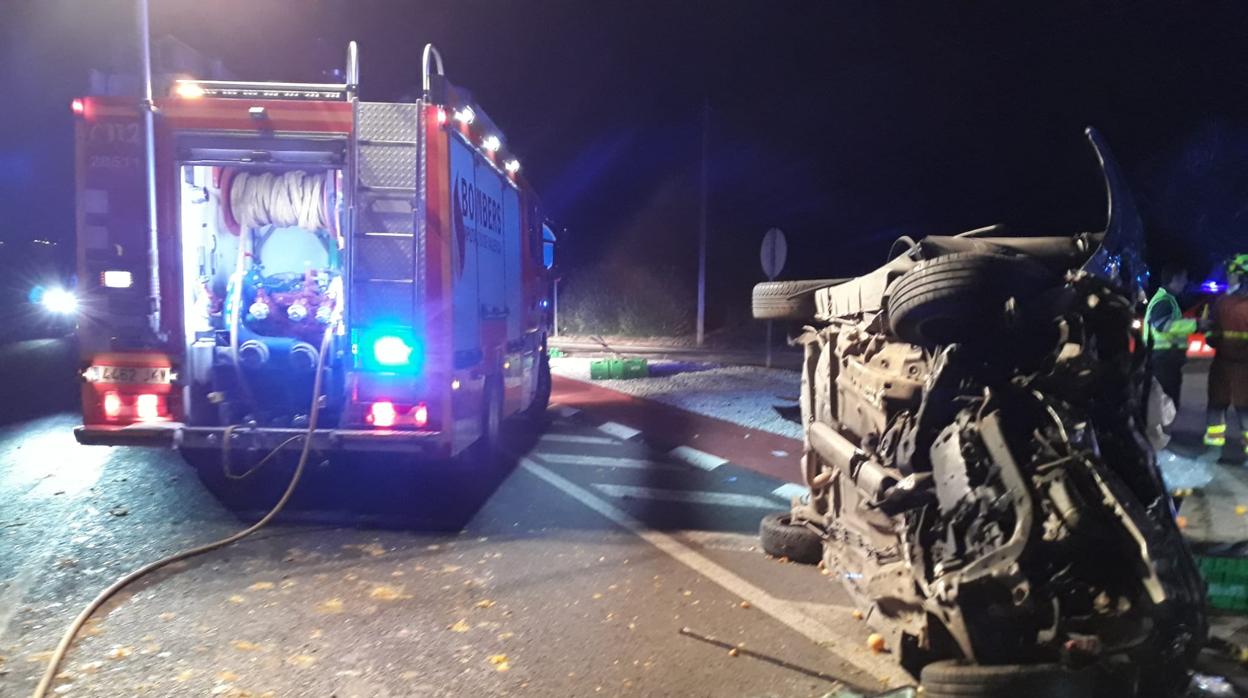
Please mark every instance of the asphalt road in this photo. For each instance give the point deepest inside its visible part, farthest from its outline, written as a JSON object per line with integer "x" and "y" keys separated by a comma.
{"x": 570, "y": 569}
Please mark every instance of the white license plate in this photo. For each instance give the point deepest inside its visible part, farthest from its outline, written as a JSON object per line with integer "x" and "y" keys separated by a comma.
{"x": 133, "y": 375}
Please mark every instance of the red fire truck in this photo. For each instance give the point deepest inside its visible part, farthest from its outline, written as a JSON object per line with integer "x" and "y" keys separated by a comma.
{"x": 401, "y": 233}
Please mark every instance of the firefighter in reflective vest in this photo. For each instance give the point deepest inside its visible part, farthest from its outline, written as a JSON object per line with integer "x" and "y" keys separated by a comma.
{"x": 1166, "y": 331}
{"x": 1228, "y": 374}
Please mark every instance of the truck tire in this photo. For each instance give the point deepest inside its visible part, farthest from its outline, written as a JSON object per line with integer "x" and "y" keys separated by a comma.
{"x": 787, "y": 300}
{"x": 781, "y": 538}
{"x": 961, "y": 298}
{"x": 491, "y": 423}
{"x": 954, "y": 679}
{"x": 541, "y": 395}
{"x": 255, "y": 493}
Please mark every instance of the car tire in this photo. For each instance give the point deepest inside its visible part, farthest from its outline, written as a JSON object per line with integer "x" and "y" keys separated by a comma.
{"x": 955, "y": 679}
{"x": 787, "y": 300}
{"x": 961, "y": 298}
{"x": 780, "y": 537}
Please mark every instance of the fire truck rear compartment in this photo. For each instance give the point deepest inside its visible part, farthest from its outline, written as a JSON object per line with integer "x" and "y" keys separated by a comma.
{"x": 262, "y": 262}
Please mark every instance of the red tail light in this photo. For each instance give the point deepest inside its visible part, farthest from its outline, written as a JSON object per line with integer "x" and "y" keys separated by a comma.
{"x": 78, "y": 106}
{"x": 112, "y": 405}
{"x": 420, "y": 415}
{"x": 147, "y": 406}
{"x": 382, "y": 414}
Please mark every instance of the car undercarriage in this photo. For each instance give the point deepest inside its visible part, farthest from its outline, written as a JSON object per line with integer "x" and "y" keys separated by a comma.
{"x": 980, "y": 481}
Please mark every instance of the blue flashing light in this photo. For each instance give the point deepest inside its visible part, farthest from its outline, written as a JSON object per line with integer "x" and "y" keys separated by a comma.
{"x": 390, "y": 349}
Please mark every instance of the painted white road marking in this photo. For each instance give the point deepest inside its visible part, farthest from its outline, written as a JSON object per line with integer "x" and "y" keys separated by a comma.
{"x": 579, "y": 439}
{"x": 568, "y": 412}
{"x": 604, "y": 461}
{"x": 619, "y": 431}
{"x": 726, "y": 499}
{"x": 786, "y": 612}
{"x": 696, "y": 458}
{"x": 719, "y": 540}
{"x": 789, "y": 490}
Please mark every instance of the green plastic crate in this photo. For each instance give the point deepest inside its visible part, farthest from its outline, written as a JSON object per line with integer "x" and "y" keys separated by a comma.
{"x": 555, "y": 352}
{"x": 1227, "y": 580}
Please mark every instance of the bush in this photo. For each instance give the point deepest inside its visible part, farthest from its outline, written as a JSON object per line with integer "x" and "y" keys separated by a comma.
{"x": 630, "y": 302}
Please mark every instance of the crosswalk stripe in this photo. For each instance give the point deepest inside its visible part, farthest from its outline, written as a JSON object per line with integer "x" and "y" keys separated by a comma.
{"x": 619, "y": 431}
{"x": 728, "y": 499}
{"x": 604, "y": 461}
{"x": 789, "y": 490}
{"x": 696, "y": 458}
{"x": 579, "y": 439}
{"x": 829, "y": 637}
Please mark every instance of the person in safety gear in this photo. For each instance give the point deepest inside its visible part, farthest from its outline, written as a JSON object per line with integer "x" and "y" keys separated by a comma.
{"x": 1166, "y": 332}
{"x": 1228, "y": 374}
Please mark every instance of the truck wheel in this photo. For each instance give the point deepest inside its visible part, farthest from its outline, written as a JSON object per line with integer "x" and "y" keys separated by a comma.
{"x": 787, "y": 300}
{"x": 491, "y": 422}
{"x": 961, "y": 298}
{"x": 541, "y": 396}
{"x": 954, "y": 679}
{"x": 780, "y": 537}
{"x": 254, "y": 493}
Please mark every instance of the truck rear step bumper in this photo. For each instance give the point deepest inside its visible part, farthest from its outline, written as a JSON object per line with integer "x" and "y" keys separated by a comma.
{"x": 176, "y": 435}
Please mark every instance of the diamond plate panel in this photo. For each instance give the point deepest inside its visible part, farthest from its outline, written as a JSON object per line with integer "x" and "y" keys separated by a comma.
{"x": 383, "y": 303}
{"x": 387, "y": 215}
{"x": 388, "y": 166}
{"x": 388, "y": 121}
{"x": 383, "y": 258}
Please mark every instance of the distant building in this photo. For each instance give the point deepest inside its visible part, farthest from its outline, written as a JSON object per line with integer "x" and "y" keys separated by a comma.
{"x": 172, "y": 58}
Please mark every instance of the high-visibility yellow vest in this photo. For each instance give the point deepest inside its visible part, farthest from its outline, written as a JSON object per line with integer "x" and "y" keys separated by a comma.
{"x": 1173, "y": 334}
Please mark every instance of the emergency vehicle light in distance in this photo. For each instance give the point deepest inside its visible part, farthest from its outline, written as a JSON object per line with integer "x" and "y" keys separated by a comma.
{"x": 78, "y": 106}
{"x": 59, "y": 301}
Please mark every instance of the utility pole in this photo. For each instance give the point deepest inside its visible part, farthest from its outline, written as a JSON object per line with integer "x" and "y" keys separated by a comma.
{"x": 706, "y": 129}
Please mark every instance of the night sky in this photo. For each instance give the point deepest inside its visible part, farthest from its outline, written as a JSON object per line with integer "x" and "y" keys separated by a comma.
{"x": 844, "y": 124}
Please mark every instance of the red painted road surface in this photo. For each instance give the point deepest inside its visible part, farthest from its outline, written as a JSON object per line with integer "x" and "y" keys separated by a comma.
{"x": 668, "y": 427}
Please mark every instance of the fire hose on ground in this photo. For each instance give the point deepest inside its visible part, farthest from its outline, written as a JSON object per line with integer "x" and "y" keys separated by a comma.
{"x": 62, "y": 648}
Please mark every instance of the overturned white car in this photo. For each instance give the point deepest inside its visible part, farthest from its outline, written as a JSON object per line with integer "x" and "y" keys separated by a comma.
{"x": 979, "y": 477}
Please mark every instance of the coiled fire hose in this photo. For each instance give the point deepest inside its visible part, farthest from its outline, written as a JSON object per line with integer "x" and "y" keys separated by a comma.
{"x": 62, "y": 648}
{"x": 284, "y": 200}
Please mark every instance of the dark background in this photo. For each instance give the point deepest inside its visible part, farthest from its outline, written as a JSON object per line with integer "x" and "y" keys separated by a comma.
{"x": 845, "y": 124}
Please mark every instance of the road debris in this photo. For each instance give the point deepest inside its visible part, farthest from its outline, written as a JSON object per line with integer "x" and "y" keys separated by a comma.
{"x": 500, "y": 662}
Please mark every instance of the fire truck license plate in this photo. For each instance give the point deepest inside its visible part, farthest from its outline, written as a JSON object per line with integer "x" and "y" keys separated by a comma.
{"x": 129, "y": 374}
